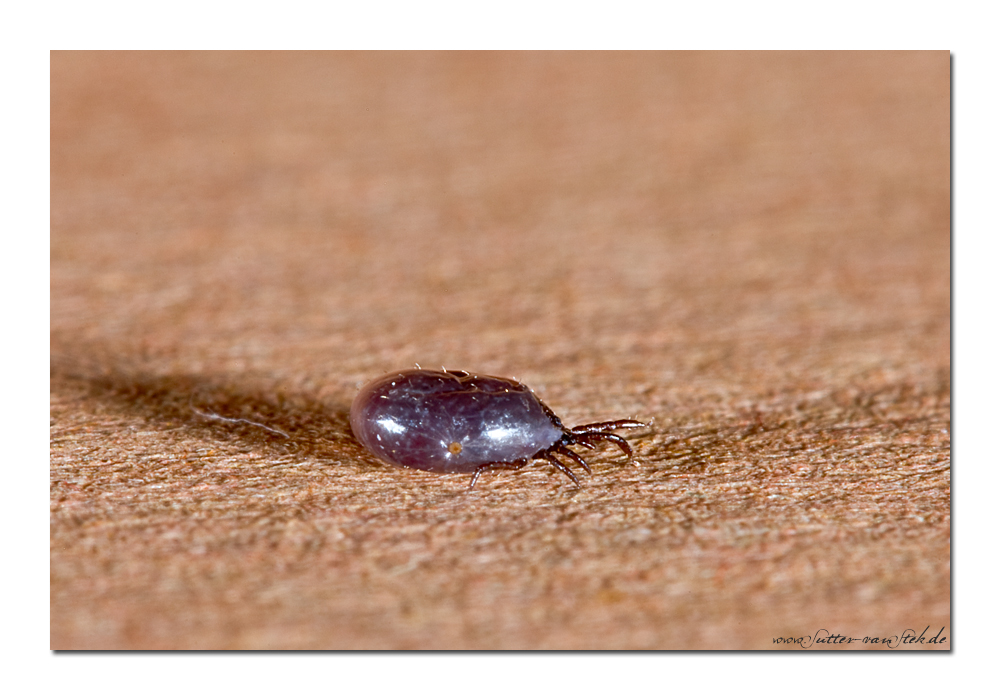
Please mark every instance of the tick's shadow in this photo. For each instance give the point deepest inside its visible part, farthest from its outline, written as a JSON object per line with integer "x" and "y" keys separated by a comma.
{"x": 261, "y": 418}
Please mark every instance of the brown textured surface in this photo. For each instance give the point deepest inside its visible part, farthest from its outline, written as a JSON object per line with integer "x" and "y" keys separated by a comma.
{"x": 752, "y": 250}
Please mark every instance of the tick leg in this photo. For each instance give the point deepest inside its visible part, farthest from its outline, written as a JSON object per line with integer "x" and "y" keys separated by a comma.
{"x": 590, "y": 438}
{"x": 607, "y": 425}
{"x": 475, "y": 477}
{"x": 563, "y": 468}
{"x": 495, "y": 465}
{"x": 574, "y": 456}
{"x": 582, "y": 440}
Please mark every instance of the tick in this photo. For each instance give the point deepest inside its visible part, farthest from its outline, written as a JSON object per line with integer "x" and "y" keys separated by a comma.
{"x": 457, "y": 422}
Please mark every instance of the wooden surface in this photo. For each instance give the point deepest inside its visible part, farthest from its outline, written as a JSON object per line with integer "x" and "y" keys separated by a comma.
{"x": 749, "y": 250}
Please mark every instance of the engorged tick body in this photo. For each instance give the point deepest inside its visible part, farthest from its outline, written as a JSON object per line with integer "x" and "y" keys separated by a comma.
{"x": 453, "y": 421}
